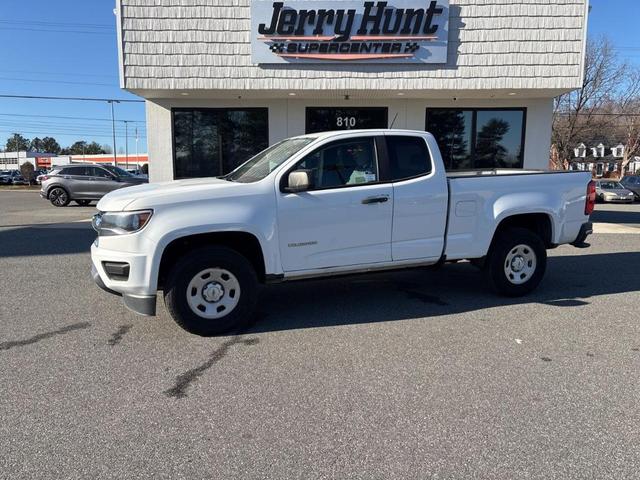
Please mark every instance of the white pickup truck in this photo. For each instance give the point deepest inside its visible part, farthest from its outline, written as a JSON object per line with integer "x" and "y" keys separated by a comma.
{"x": 328, "y": 204}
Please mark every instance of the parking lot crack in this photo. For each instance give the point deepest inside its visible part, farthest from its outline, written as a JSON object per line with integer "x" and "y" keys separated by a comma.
{"x": 184, "y": 380}
{"x": 44, "y": 336}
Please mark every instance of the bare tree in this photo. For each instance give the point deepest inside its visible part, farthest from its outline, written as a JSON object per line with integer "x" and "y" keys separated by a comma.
{"x": 609, "y": 85}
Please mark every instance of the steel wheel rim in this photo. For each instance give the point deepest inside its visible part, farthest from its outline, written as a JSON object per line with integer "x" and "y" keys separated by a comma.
{"x": 59, "y": 196}
{"x": 213, "y": 293}
{"x": 520, "y": 264}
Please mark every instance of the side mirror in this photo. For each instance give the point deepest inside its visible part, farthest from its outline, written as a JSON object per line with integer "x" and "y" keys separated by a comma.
{"x": 299, "y": 181}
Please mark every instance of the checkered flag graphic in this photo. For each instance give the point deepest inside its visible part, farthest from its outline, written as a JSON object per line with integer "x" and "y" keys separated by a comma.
{"x": 277, "y": 47}
{"x": 411, "y": 47}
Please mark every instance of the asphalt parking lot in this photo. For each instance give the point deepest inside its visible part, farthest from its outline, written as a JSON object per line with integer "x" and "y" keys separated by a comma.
{"x": 421, "y": 374}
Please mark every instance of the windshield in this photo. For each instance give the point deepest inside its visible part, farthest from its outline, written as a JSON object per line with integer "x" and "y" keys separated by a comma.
{"x": 611, "y": 186}
{"x": 117, "y": 171}
{"x": 265, "y": 162}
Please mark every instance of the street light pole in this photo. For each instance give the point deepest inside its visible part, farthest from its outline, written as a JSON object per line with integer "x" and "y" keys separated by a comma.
{"x": 126, "y": 144}
{"x": 113, "y": 131}
{"x": 137, "y": 159}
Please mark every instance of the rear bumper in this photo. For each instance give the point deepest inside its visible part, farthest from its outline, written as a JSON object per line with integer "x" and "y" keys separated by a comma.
{"x": 585, "y": 230}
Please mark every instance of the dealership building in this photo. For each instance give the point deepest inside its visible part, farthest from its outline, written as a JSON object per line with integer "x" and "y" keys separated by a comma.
{"x": 223, "y": 79}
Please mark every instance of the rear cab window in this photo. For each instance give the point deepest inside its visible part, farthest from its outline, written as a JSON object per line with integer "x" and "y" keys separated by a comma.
{"x": 408, "y": 157}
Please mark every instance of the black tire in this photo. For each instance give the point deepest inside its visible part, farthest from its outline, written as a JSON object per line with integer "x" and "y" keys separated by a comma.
{"x": 186, "y": 270}
{"x": 503, "y": 275}
{"x": 59, "y": 197}
{"x": 83, "y": 203}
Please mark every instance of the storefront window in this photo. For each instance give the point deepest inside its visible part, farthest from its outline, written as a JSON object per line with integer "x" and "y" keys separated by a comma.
{"x": 324, "y": 119}
{"x": 478, "y": 138}
{"x": 212, "y": 142}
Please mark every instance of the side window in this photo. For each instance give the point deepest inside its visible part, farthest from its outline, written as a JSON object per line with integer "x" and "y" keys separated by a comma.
{"x": 76, "y": 171}
{"x": 342, "y": 163}
{"x": 99, "y": 172}
{"x": 408, "y": 157}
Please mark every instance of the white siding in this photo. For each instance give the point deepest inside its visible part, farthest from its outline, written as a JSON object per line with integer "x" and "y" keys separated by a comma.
{"x": 493, "y": 44}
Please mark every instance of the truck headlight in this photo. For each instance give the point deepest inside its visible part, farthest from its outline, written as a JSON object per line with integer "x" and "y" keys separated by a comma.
{"x": 120, "y": 223}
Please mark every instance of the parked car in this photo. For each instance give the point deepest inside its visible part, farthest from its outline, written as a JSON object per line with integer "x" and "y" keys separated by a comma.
{"x": 35, "y": 175}
{"x": 329, "y": 204}
{"x": 632, "y": 183}
{"x": 7, "y": 177}
{"x": 138, "y": 173}
{"x": 20, "y": 180}
{"x": 40, "y": 176}
{"x": 612, "y": 191}
{"x": 84, "y": 183}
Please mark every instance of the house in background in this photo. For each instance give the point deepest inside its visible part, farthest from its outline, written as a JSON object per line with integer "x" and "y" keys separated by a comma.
{"x": 601, "y": 161}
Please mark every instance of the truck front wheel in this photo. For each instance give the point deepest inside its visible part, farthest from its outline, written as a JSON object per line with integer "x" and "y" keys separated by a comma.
{"x": 516, "y": 262}
{"x": 211, "y": 291}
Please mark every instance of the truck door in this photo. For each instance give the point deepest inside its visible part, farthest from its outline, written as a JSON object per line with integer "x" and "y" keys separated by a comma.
{"x": 419, "y": 199}
{"x": 345, "y": 217}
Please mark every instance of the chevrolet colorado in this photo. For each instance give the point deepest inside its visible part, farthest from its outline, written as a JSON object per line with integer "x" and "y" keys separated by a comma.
{"x": 328, "y": 204}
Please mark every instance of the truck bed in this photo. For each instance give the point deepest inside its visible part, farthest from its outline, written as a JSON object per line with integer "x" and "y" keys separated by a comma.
{"x": 480, "y": 199}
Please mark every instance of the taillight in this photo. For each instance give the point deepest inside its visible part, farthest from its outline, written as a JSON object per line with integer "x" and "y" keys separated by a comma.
{"x": 591, "y": 198}
{"x": 44, "y": 178}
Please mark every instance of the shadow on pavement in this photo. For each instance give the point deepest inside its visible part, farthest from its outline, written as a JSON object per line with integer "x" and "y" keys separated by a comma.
{"x": 570, "y": 281}
{"x": 615, "y": 216}
{"x": 51, "y": 239}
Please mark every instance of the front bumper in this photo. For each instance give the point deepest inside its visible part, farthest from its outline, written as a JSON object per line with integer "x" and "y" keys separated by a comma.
{"x": 132, "y": 291}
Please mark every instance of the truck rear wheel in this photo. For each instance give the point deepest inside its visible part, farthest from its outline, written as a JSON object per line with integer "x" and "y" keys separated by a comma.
{"x": 211, "y": 291}
{"x": 516, "y": 262}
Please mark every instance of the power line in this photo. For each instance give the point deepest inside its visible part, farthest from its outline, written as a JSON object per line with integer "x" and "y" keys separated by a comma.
{"x": 66, "y": 72}
{"x": 67, "y": 24}
{"x": 70, "y": 118}
{"x": 46, "y": 127}
{"x": 58, "y": 81}
{"x": 81, "y": 99}
{"x": 56, "y": 31}
{"x": 569, "y": 114}
{"x": 70, "y": 134}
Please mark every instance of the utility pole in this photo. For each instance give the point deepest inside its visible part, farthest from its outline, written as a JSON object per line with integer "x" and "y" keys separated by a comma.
{"x": 126, "y": 144}
{"x": 113, "y": 131}
{"x": 137, "y": 159}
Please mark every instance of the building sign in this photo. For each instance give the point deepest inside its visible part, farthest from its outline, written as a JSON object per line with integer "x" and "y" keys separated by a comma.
{"x": 347, "y": 31}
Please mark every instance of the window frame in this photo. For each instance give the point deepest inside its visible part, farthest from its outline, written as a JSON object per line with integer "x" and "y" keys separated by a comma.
{"x": 474, "y": 129}
{"x": 208, "y": 109}
{"x": 380, "y": 159}
{"x": 308, "y": 108}
{"x": 77, "y": 168}
{"x": 388, "y": 158}
{"x": 108, "y": 175}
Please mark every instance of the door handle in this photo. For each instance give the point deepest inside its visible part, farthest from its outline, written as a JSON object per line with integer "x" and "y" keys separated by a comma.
{"x": 379, "y": 199}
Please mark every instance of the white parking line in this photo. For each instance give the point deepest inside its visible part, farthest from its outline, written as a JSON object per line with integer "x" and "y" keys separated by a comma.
{"x": 614, "y": 228}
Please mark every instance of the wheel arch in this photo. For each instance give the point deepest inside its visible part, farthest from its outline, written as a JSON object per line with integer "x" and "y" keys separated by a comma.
{"x": 245, "y": 243}
{"x": 57, "y": 185}
{"x": 540, "y": 223}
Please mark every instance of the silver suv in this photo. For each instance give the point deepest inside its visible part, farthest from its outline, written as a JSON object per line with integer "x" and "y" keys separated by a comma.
{"x": 84, "y": 183}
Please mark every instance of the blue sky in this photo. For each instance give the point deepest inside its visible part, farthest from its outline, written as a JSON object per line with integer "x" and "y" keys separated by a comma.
{"x": 63, "y": 48}
{"x": 68, "y": 48}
